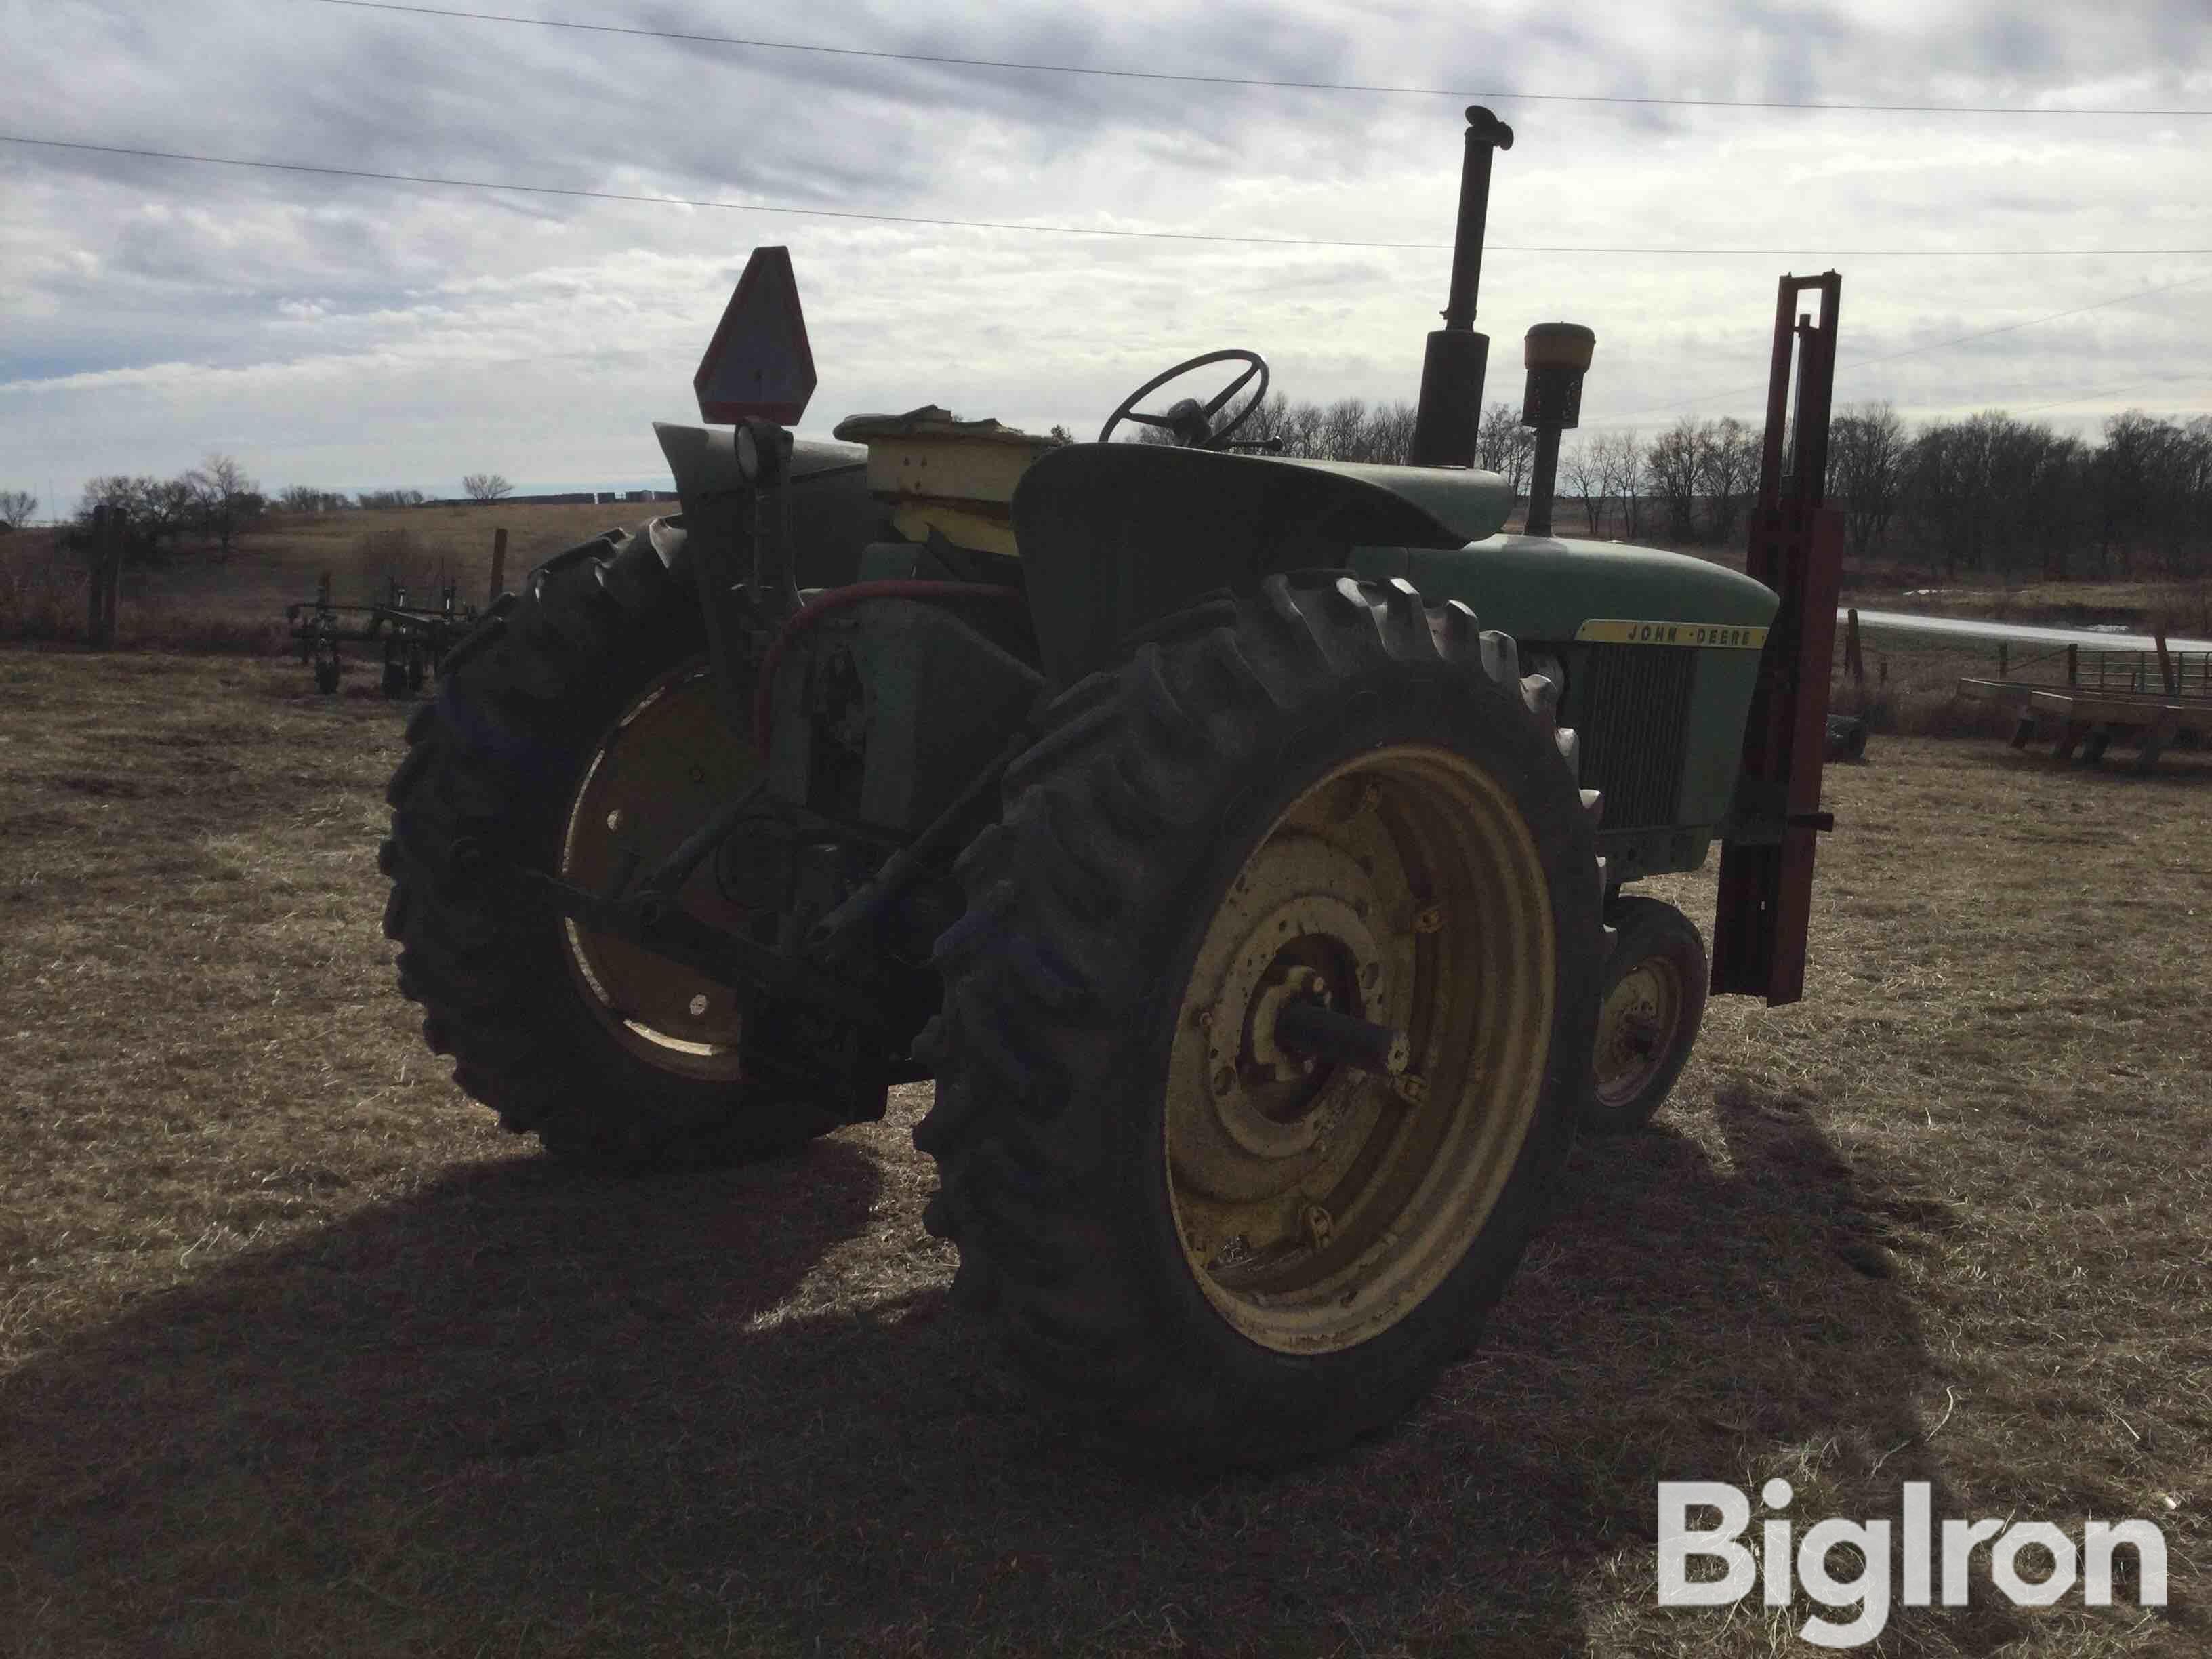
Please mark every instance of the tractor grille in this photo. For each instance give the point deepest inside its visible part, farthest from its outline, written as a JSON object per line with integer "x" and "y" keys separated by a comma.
{"x": 1632, "y": 712}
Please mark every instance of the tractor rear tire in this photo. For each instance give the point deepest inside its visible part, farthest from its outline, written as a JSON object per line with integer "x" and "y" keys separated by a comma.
{"x": 1323, "y": 789}
{"x": 1654, "y": 1003}
{"x": 580, "y": 723}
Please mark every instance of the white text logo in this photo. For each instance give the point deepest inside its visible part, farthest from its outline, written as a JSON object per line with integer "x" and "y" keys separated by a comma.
{"x": 1932, "y": 1563}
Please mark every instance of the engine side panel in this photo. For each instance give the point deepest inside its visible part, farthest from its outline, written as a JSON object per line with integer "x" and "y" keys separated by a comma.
{"x": 1660, "y": 653}
{"x": 886, "y": 712}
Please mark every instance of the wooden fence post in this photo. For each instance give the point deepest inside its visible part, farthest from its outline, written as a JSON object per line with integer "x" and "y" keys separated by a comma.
{"x": 2164, "y": 662}
{"x": 96, "y": 576}
{"x": 1854, "y": 656}
{"x": 115, "y": 593}
{"x": 102, "y": 590}
{"x": 498, "y": 564}
{"x": 2072, "y": 664}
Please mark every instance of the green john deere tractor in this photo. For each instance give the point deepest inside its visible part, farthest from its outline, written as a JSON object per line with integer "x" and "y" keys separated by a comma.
{"x": 1239, "y": 843}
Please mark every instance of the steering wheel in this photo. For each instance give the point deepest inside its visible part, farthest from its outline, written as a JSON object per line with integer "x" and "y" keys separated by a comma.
{"x": 1191, "y": 421}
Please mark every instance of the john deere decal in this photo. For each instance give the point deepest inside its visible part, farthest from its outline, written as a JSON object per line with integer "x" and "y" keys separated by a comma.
{"x": 1612, "y": 630}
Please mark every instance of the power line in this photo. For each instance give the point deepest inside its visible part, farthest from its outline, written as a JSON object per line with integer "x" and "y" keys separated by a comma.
{"x": 1083, "y": 230}
{"x": 729, "y": 206}
{"x": 2007, "y": 328}
{"x": 950, "y": 61}
{"x": 1939, "y": 345}
{"x": 2109, "y": 391}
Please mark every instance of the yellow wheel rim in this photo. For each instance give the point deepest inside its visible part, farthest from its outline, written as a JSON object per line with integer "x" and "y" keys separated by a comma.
{"x": 666, "y": 765}
{"x": 1636, "y": 1030}
{"x": 1318, "y": 1204}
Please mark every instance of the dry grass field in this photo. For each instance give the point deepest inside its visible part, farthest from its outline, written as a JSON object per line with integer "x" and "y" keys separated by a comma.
{"x": 299, "y": 1356}
{"x": 200, "y": 600}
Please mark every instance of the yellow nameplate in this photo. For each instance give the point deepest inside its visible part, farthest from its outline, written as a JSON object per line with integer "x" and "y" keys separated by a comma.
{"x": 1615, "y": 631}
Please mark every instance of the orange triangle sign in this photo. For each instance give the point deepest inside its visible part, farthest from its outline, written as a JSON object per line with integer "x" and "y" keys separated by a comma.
{"x": 758, "y": 365}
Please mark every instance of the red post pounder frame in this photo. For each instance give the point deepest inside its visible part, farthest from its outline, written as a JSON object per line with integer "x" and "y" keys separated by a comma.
{"x": 1796, "y": 548}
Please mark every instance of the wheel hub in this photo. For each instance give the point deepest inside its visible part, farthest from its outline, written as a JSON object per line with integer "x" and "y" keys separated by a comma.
{"x": 1286, "y": 984}
{"x": 1295, "y": 938}
{"x": 1636, "y": 1029}
{"x": 1318, "y": 1200}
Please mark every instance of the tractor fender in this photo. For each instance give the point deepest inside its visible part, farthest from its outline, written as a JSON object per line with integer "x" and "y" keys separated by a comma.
{"x": 1114, "y": 536}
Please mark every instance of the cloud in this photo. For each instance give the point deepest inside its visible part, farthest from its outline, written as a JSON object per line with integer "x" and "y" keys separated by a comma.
{"x": 357, "y": 330}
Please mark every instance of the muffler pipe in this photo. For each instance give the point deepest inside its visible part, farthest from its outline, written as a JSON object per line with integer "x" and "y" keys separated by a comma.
{"x": 1452, "y": 368}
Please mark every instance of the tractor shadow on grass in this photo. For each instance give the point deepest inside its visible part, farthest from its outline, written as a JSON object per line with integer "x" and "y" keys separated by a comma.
{"x": 732, "y": 1411}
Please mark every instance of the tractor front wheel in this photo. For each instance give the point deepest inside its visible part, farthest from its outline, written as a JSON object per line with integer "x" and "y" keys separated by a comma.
{"x": 1654, "y": 1002}
{"x": 1326, "y": 798}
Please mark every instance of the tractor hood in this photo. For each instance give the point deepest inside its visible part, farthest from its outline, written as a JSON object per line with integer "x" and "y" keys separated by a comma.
{"x": 1114, "y": 535}
{"x": 1553, "y": 587}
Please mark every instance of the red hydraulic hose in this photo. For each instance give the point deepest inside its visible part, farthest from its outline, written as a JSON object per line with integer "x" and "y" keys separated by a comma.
{"x": 836, "y": 599}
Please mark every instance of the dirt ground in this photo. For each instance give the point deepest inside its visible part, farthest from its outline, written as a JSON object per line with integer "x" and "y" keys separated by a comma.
{"x": 299, "y": 1355}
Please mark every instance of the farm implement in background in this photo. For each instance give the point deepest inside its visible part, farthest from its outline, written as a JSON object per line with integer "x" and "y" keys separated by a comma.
{"x": 2093, "y": 689}
{"x": 2147, "y": 700}
{"x": 1241, "y": 844}
{"x": 411, "y": 638}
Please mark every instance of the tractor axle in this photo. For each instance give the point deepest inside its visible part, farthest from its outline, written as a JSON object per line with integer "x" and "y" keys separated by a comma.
{"x": 1309, "y": 1031}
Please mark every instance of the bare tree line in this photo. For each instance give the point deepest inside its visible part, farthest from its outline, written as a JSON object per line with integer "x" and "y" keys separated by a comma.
{"x": 1993, "y": 494}
{"x": 1989, "y": 494}
{"x": 214, "y": 500}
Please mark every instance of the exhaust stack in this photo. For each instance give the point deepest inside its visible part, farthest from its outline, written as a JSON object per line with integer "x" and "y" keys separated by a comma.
{"x": 1452, "y": 370}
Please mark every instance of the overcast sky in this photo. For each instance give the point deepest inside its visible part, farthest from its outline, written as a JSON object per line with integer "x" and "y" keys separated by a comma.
{"x": 351, "y": 333}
